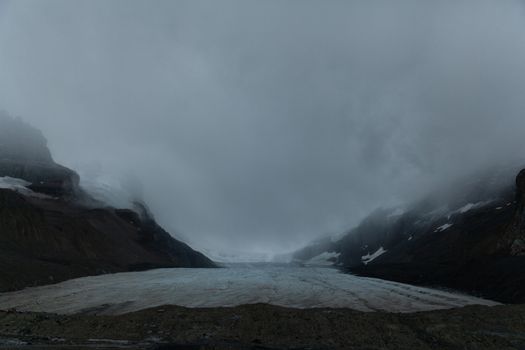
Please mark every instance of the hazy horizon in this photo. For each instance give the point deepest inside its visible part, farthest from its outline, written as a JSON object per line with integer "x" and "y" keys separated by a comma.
{"x": 257, "y": 126}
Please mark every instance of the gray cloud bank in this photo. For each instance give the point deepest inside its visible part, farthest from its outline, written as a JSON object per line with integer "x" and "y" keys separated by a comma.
{"x": 259, "y": 125}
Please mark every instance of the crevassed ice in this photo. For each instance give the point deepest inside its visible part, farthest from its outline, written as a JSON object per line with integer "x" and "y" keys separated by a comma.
{"x": 277, "y": 284}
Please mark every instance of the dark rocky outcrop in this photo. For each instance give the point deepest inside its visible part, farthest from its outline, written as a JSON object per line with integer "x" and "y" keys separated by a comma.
{"x": 47, "y": 178}
{"x": 49, "y": 234}
{"x": 515, "y": 235}
{"x": 44, "y": 241}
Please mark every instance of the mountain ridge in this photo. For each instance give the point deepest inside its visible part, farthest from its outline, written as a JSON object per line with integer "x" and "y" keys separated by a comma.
{"x": 52, "y": 230}
{"x": 468, "y": 237}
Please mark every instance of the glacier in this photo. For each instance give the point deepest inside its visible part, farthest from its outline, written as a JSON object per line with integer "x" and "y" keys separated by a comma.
{"x": 232, "y": 285}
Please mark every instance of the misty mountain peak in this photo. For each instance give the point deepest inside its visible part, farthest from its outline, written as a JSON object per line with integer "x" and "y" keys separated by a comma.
{"x": 24, "y": 155}
{"x": 20, "y": 141}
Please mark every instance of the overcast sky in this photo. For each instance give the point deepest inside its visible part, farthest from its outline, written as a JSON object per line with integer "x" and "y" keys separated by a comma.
{"x": 259, "y": 125}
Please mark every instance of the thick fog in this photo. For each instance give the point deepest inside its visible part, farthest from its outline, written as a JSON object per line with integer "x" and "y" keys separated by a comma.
{"x": 256, "y": 126}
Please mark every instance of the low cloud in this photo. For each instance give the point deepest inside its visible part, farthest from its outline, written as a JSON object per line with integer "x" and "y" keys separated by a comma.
{"x": 259, "y": 125}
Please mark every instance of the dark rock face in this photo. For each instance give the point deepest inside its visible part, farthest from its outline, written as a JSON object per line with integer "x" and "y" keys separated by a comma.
{"x": 516, "y": 232}
{"x": 47, "y": 239}
{"x": 520, "y": 185}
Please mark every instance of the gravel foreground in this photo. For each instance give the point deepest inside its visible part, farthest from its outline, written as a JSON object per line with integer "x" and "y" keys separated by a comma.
{"x": 262, "y": 326}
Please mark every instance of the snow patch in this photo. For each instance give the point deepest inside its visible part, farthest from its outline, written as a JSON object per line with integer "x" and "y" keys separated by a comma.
{"x": 12, "y": 183}
{"x": 466, "y": 208}
{"x": 323, "y": 259}
{"x": 471, "y": 206}
{"x": 371, "y": 257}
{"x": 20, "y": 186}
{"x": 443, "y": 227}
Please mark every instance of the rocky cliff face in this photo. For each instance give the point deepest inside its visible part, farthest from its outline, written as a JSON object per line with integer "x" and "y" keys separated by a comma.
{"x": 515, "y": 234}
{"x": 48, "y": 234}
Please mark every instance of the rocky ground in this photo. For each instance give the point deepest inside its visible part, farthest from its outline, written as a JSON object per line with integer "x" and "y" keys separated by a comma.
{"x": 261, "y": 326}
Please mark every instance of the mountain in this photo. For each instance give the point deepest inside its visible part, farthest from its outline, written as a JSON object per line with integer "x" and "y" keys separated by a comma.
{"x": 469, "y": 236}
{"x": 52, "y": 230}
